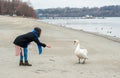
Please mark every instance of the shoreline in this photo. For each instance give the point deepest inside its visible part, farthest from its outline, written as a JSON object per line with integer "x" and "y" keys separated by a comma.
{"x": 115, "y": 39}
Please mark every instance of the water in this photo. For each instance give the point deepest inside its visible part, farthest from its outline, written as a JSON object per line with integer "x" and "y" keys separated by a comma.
{"x": 108, "y": 26}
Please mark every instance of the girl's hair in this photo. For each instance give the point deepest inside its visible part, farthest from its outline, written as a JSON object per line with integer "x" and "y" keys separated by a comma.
{"x": 38, "y": 30}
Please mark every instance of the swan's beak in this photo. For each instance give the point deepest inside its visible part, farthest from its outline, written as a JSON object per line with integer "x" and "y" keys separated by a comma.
{"x": 74, "y": 42}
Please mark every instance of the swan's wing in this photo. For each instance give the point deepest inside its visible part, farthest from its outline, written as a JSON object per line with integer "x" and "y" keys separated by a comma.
{"x": 84, "y": 51}
{"x": 82, "y": 54}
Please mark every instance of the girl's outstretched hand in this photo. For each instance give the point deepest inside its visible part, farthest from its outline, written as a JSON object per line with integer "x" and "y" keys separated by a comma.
{"x": 48, "y": 46}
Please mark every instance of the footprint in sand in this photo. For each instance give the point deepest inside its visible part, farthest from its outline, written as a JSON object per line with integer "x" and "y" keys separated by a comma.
{"x": 52, "y": 60}
{"x": 38, "y": 71}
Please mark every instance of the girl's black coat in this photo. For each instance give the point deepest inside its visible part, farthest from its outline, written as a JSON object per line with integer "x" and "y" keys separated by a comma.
{"x": 25, "y": 39}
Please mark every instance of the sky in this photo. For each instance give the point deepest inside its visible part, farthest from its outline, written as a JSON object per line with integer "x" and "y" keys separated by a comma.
{"x": 43, "y": 4}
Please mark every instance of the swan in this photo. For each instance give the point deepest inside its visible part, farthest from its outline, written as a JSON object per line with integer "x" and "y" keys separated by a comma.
{"x": 80, "y": 53}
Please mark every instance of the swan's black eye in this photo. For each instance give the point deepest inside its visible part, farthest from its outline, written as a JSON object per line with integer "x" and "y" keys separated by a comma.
{"x": 75, "y": 41}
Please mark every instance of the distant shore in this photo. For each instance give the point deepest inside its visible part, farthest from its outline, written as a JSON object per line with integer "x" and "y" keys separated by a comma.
{"x": 59, "y": 61}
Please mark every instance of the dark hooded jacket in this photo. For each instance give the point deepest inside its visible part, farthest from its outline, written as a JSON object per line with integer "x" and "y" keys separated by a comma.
{"x": 25, "y": 39}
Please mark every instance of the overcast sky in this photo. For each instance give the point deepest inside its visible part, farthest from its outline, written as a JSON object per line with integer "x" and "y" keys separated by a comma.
{"x": 43, "y": 4}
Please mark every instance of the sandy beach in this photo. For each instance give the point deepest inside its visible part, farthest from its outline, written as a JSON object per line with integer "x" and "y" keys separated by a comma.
{"x": 58, "y": 61}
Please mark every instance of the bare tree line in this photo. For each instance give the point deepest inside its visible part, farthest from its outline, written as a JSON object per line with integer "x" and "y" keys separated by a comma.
{"x": 16, "y": 7}
{"x": 105, "y": 11}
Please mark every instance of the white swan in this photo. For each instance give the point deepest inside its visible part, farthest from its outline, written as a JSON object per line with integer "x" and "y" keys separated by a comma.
{"x": 80, "y": 53}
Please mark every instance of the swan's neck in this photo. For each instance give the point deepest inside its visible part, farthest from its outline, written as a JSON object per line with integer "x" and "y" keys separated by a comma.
{"x": 78, "y": 46}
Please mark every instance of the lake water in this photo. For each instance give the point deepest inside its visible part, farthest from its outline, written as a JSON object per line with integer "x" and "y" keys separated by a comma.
{"x": 109, "y": 25}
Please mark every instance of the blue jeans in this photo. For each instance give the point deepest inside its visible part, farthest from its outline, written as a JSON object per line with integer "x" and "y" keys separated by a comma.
{"x": 25, "y": 55}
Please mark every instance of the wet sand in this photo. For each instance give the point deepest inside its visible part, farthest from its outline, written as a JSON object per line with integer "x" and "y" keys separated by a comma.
{"x": 59, "y": 61}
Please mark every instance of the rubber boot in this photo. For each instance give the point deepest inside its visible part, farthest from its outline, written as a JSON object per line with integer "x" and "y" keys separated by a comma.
{"x": 21, "y": 63}
{"x": 27, "y": 64}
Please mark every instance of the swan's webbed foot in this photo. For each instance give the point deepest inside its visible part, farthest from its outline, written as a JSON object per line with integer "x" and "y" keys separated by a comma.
{"x": 79, "y": 61}
{"x": 83, "y": 61}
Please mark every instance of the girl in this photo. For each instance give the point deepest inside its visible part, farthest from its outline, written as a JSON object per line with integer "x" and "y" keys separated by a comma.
{"x": 22, "y": 42}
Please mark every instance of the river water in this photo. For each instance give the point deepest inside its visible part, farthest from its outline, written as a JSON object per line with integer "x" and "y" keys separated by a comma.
{"x": 108, "y": 26}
